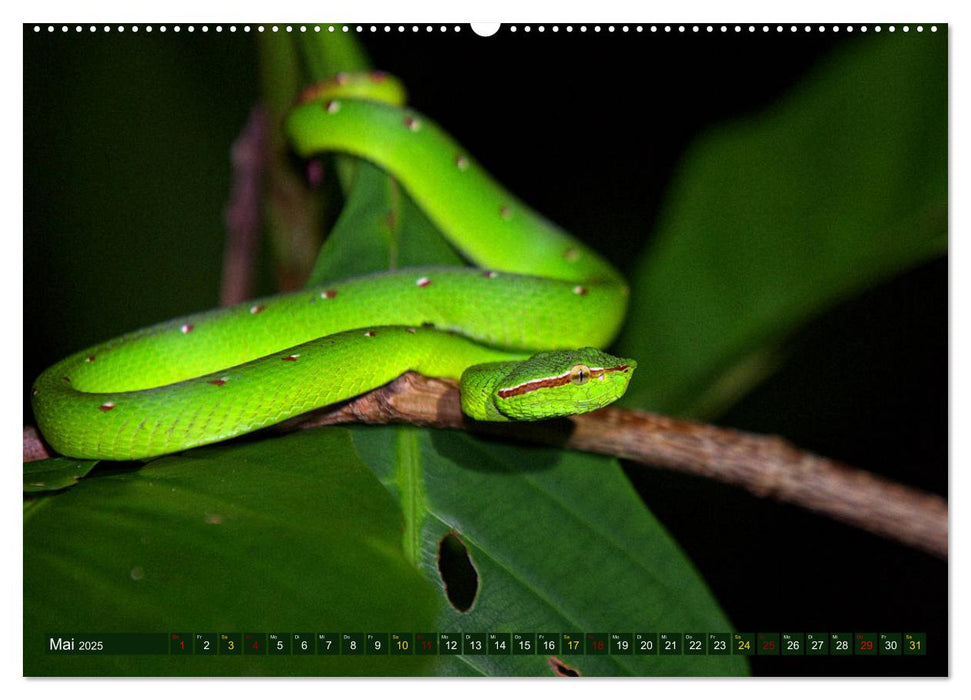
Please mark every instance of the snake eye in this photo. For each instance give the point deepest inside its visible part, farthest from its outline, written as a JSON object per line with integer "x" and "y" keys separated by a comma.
{"x": 579, "y": 374}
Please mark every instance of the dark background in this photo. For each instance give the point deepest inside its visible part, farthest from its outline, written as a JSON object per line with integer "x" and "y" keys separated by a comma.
{"x": 126, "y": 172}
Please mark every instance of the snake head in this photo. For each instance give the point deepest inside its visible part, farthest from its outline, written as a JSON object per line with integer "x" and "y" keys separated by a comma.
{"x": 563, "y": 383}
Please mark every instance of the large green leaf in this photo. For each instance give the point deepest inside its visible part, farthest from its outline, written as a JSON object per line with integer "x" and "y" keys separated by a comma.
{"x": 291, "y": 534}
{"x": 777, "y": 217}
{"x": 559, "y": 542}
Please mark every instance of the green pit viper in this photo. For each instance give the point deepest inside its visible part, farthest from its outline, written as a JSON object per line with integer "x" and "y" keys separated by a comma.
{"x": 214, "y": 375}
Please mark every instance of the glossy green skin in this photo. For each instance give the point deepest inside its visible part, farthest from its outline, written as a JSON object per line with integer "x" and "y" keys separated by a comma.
{"x": 215, "y": 375}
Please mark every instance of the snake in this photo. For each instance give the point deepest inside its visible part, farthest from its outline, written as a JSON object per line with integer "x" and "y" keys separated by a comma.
{"x": 521, "y": 327}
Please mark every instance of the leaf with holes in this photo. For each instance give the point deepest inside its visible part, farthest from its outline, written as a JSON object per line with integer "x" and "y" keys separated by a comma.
{"x": 527, "y": 539}
{"x": 286, "y": 535}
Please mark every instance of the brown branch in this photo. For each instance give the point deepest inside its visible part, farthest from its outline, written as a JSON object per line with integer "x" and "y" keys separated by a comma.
{"x": 34, "y": 446}
{"x": 767, "y": 466}
{"x": 242, "y": 213}
{"x": 764, "y": 465}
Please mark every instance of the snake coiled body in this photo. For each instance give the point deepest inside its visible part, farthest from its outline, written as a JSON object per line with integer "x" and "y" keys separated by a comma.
{"x": 214, "y": 375}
